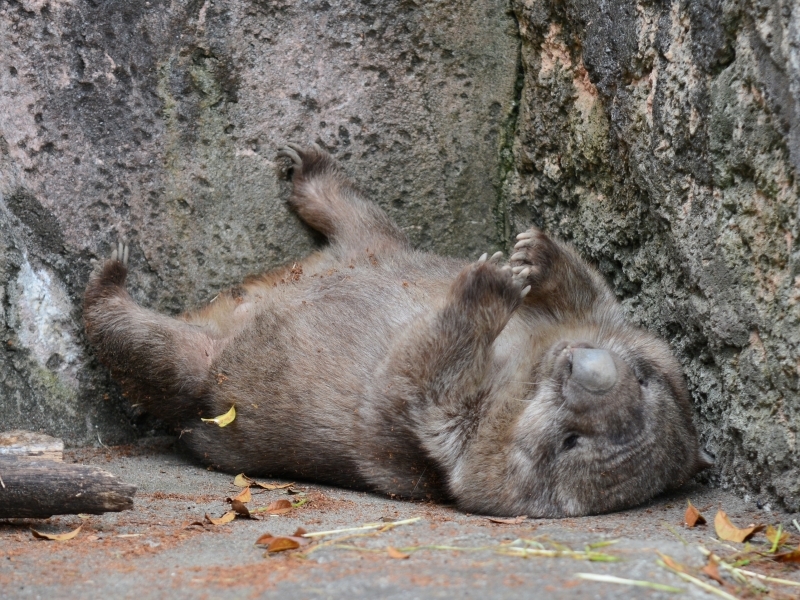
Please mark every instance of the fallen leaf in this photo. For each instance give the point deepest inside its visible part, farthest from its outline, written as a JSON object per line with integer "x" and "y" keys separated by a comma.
{"x": 712, "y": 570}
{"x": 242, "y": 480}
{"x": 729, "y": 532}
{"x": 672, "y": 563}
{"x": 279, "y": 507}
{"x": 223, "y": 420}
{"x": 788, "y": 557}
{"x": 273, "y": 486}
{"x": 56, "y": 537}
{"x": 226, "y": 518}
{"x": 300, "y": 531}
{"x": 693, "y": 516}
{"x": 776, "y": 537}
{"x": 239, "y": 508}
{"x": 510, "y": 521}
{"x": 279, "y": 543}
{"x": 395, "y": 553}
{"x": 244, "y": 495}
{"x": 282, "y": 543}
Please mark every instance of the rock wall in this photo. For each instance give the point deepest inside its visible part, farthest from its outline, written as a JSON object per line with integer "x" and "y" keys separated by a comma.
{"x": 663, "y": 140}
{"x": 158, "y": 122}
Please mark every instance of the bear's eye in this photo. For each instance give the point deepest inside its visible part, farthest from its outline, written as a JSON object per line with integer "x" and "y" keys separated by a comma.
{"x": 570, "y": 441}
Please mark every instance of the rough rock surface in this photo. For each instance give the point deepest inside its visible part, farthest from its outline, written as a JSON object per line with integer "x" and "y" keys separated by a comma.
{"x": 663, "y": 139}
{"x": 158, "y": 122}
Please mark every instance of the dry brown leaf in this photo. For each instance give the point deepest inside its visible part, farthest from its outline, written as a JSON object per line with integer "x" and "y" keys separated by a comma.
{"x": 693, "y": 516}
{"x": 772, "y": 536}
{"x": 712, "y": 570}
{"x": 242, "y": 480}
{"x": 56, "y": 537}
{"x": 300, "y": 531}
{"x": 788, "y": 557}
{"x": 239, "y": 508}
{"x": 282, "y": 543}
{"x": 672, "y": 563}
{"x": 279, "y": 507}
{"x": 226, "y": 518}
{"x": 395, "y": 553}
{"x": 273, "y": 486}
{"x": 279, "y": 543}
{"x": 244, "y": 495}
{"x": 265, "y": 539}
{"x": 509, "y": 521}
{"x": 728, "y": 532}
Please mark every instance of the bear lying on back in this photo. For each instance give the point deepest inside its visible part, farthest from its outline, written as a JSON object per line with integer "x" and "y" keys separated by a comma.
{"x": 511, "y": 389}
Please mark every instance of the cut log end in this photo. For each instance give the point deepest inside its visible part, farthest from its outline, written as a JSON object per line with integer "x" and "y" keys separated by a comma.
{"x": 42, "y": 488}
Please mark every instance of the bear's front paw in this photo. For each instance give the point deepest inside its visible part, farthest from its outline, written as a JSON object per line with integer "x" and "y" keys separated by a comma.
{"x": 487, "y": 287}
{"x": 532, "y": 256}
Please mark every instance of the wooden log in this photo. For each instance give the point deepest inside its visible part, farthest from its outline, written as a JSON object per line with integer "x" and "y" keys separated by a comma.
{"x": 34, "y": 483}
{"x": 31, "y": 488}
{"x": 31, "y": 445}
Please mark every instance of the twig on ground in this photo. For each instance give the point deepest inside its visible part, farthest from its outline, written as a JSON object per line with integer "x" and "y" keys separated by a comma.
{"x": 576, "y": 554}
{"x": 378, "y": 527}
{"x": 381, "y": 526}
{"x": 634, "y": 582}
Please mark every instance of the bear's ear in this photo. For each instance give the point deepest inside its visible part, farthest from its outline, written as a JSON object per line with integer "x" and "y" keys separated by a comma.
{"x": 704, "y": 460}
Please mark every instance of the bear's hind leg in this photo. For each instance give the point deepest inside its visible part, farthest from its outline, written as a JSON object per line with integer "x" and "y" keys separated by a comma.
{"x": 331, "y": 203}
{"x": 164, "y": 361}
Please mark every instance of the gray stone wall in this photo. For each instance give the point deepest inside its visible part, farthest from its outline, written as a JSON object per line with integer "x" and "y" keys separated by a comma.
{"x": 661, "y": 137}
{"x": 158, "y": 122}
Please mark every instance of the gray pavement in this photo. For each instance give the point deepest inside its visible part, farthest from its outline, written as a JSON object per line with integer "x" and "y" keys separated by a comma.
{"x": 154, "y": 551}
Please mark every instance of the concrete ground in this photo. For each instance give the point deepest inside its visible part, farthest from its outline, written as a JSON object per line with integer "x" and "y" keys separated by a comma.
{"x": 154, "y": 551}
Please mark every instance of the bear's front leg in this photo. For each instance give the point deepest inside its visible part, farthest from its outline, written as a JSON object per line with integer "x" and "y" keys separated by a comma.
{"x": 431, "y": 391}
{"x": 440, "y": 370}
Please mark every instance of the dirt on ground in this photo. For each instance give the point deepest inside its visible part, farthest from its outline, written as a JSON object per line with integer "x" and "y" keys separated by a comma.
{"x": 168, "y": 547}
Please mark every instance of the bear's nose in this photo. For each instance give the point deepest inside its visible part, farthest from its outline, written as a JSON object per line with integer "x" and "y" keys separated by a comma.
{"x": 593, "y": 369}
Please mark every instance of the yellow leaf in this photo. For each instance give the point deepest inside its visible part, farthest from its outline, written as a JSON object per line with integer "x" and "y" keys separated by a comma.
{"x": 226, "y": 518}
{"x": 729, "y": 532}
{"x": 58, "y": 537}
{"x": 242, "y": 480}
{"x": 223, "y": 420}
